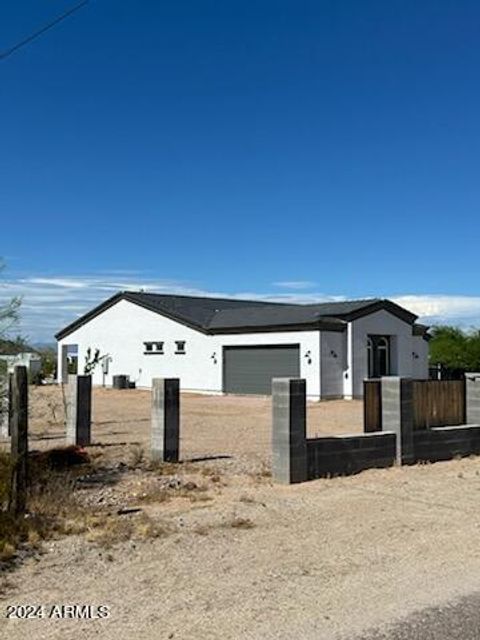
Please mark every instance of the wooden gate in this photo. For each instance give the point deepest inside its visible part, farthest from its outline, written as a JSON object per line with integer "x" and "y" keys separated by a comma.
{"x": 372, "y": 406}
{"x": 438, "y": 403}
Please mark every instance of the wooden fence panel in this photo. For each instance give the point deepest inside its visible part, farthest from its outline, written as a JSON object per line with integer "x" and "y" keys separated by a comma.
{"x": 372, "y": 406}
{"x": 438, "y": 403}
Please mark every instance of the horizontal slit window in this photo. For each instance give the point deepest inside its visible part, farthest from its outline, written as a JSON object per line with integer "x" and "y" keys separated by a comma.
{"x": 153, "y": 347}
{"x": 180, "y": 346}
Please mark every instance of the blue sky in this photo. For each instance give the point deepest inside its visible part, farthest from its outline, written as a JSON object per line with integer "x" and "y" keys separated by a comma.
{"x": 288, "y": 149}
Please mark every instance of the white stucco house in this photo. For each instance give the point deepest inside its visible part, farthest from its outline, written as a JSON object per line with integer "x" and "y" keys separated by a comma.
{"x": 217, "y": 345}
{"x": 28, "y": 359}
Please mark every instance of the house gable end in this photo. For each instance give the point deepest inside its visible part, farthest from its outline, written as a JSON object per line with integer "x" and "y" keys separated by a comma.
{"x": 101, "y": 308}
{"x": 385, "y": 305}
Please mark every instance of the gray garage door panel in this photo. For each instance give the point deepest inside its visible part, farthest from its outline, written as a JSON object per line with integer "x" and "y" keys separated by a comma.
{"x": 251, "y": 369}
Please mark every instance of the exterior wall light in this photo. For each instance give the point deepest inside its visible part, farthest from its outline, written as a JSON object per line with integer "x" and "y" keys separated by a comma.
{"x": 308, "y": 356}
{"x": 214, "y": 357}
{"x": 415, "y": 355}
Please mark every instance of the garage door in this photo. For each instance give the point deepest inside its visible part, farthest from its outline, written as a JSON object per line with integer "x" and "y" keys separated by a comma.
{"x": 251, "y": 369}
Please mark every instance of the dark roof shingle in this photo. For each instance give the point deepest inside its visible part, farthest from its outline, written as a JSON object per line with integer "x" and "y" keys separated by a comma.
{"x": 217, "y": 315}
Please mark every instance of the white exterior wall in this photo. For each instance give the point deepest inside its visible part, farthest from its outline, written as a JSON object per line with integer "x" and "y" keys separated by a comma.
{"x": 420, "y": 364}
{"x": 334, "y": 363}
{"x": 32, "y": 361}
{"x": 121, "y": 330}
{"x": 402, "y": 343}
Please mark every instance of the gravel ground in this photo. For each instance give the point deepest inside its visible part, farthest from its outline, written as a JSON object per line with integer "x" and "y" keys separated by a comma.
{"x": 459, "y": 620}
{"x": 235, "y": 427}
{"x": 240, "y": 557}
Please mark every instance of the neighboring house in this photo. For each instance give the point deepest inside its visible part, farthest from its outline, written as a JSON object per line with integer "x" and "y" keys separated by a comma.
{"x": 217, "y": 345}
{"x": 32, "y": 361}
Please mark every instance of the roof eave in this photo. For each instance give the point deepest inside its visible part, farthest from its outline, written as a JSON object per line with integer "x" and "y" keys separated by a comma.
{"x": 272, "y": 328}
{"x": 421, "y": 331}
{"x": 386, "y": 305}
{"x": 79, "y": 322}
{"x": 123, "y": 295}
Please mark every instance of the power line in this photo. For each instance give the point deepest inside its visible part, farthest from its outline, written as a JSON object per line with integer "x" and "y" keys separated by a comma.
{"x": 50, "y": 25}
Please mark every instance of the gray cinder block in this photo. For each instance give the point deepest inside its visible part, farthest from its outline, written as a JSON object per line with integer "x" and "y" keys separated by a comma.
{"x": 165, "y": 419}
{"x": 79, "y": 410}
{"x": 472, "y": 381}
{"x": 289, "y": 430}
{"x": 397, "y": 415}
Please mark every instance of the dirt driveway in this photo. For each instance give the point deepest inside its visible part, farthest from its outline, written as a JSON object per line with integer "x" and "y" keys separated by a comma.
{"x": 239, "y": 426}
{"x": 240, "y": 558}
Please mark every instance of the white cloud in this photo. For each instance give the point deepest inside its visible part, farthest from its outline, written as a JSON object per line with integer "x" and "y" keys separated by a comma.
{"x": 443, "y": 309}
{"x": 295, "y": 284}
{"x": 50, "y": 303}
{"x": 57, "y": 282}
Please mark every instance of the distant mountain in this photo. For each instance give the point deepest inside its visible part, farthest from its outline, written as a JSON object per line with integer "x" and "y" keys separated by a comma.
{"x": 41, "y": 346}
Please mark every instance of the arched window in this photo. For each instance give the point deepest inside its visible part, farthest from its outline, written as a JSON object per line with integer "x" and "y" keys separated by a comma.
{"x": 371, "y": 365}
{"x": 378, "y": 356}
{"x": 383, "y": 357}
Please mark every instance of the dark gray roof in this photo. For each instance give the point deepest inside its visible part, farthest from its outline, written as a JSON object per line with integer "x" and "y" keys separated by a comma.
{"x": 421, "y": 330}
{"x": 345, "y": 307}
{"x": 282, "y": 315}
{"x": 222, "y": 315}
{"x": 198, "y": 311}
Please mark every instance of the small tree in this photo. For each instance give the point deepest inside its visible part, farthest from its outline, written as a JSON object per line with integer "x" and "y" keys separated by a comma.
{"x": 91, "y": 361}
{"x": 8, "y": 316}
{"x": 49, "y": 361}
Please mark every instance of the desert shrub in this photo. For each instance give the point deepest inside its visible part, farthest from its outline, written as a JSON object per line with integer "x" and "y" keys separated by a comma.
{"x": 241, "y": 523}
{"x": 14, "y": 529}
{"x": 109, "y": 531}
{"x": 49, "y": 360}
{"x": 5, "y": 473}
{"x": 51, "y": 503}
{"x": 136, "y": 455}
{"x": 36, "y": 378}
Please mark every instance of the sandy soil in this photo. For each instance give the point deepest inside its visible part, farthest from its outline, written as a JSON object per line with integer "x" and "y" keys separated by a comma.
{"x": 237, "y": 425}
{"x": 245, "y": 558}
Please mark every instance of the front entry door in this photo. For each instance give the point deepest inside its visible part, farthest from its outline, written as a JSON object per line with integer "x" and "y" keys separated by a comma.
{"x": 378, "y": 350}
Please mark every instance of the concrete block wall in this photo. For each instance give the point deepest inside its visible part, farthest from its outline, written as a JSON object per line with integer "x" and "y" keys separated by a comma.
{"x": 436, "y": 443}
{"x": 344, "y": 455}
{"x": 79, "y": 410}
{"x": 397, "y": 414}
{"x": 165, "y": 419}
{"x": 472, "y": 391}
{"x": 297, "y": 458}
{"x": 289, "y": 411}
{"x": 445, "y": 443}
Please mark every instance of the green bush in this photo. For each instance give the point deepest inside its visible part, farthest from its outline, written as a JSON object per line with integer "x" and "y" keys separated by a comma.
{"x": 455, "y": 348}
{"x": 36, "y": 378}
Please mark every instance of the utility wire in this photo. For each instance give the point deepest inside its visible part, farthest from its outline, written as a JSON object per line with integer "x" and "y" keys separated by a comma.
{"x": 50, "y": 25}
